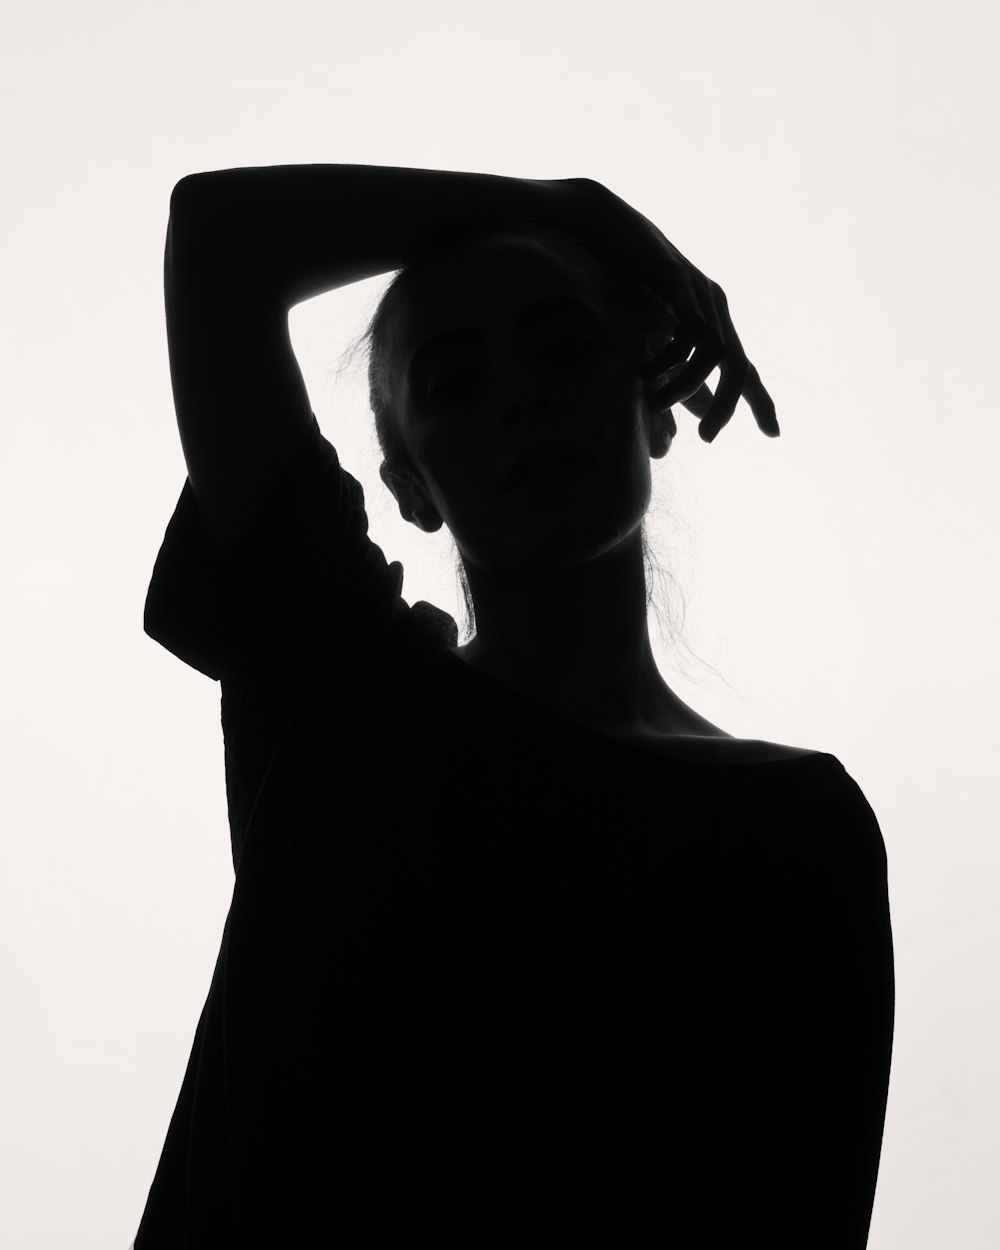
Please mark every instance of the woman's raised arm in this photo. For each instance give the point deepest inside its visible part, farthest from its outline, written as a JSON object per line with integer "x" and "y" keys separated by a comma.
{"x": 245, "y": 245}
{"x": 300, "y": 230}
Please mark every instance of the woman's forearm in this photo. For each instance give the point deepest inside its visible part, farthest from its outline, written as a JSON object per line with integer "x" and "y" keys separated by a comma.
{"x": 299, "y": 230}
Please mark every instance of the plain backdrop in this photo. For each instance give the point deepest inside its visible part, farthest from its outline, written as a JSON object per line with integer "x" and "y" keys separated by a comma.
{"x": 834, "y": 167}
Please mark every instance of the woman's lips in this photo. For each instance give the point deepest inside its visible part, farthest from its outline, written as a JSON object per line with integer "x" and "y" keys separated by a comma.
{"x": 546, "y": 463}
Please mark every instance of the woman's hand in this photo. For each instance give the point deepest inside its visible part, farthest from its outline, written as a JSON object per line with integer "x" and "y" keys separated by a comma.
{"x": 616, "y": 231}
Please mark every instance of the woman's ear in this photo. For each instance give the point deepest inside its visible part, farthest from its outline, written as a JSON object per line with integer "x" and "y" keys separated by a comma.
{"x": 414, "y": 506}
{"x": 426, "y": 518}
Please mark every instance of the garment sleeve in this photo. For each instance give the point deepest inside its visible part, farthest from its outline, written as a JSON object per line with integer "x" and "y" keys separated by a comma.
{"x": 823, "y": 1085}
{"x": 304, "y": 587}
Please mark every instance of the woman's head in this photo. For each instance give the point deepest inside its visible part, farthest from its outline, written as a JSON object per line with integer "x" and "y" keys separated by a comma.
{"x": 545, "y": 345}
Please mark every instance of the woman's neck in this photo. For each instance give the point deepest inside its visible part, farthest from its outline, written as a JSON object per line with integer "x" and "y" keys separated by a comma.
{"x": 577, "y": 643}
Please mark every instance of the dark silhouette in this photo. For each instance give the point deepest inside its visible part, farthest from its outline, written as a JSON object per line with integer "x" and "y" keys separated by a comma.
{"x": 522, "y": 951}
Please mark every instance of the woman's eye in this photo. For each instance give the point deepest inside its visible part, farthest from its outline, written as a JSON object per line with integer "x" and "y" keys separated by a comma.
{"x": 454, "y": 385}
{"x": 570, "y": 345}
{"x": 444, "y": 388}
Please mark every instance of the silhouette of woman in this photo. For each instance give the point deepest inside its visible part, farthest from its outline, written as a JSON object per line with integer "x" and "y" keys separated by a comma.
{"x": 522, "y": 950}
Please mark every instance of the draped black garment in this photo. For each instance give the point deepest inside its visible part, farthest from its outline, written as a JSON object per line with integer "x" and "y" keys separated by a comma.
{"x": 489, "y": 978}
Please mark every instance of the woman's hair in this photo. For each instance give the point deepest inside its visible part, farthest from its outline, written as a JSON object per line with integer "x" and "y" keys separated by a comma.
{"x": 644, "y": 319}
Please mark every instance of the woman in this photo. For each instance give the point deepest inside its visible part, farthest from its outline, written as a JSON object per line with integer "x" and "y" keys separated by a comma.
{"x": 522, "y": 950}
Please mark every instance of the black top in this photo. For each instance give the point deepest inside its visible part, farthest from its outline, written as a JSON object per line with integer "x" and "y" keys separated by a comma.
{"x": 490, "y": 978}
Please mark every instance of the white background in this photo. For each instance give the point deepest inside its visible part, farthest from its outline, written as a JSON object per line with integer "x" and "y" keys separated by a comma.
{"x": 833, "y": 166}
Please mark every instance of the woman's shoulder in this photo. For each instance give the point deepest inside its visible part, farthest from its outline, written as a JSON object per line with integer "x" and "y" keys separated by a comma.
{"x": 687, "y": 734}
{"x": 721, "y": 748}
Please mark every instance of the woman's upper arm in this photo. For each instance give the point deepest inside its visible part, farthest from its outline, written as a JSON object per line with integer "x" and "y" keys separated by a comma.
{"x": 840, "y": 982}
{"x": 241, "y": 403}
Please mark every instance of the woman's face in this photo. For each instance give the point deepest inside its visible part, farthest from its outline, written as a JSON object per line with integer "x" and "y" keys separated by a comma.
{"x": 506, "y": 348}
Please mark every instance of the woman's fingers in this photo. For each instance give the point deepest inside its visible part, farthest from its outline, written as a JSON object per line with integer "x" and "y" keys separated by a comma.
{"x": 698, "y": 328}
{"x": 733, "y": 368}
{"x": 689, "y": 330}
{"x": 732, "y": 376}
{"x": 632, "y": 243}
{"x": 689, "y": 375}
{"x": 700, "y": 402}
{"x": 737, "y": 377}
{"x": 698, "y": 399}
{"x": 717, "y": 345}
{"x": 761, "y": 404}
